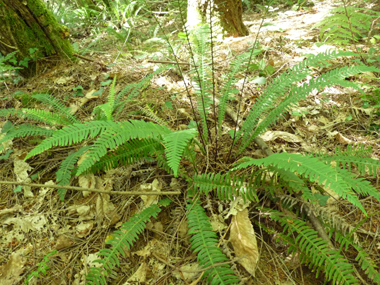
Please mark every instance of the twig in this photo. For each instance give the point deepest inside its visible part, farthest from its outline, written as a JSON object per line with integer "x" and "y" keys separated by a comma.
{"x": 168, "y": 62}
{"x": 320, "y": 229}
{"x": 92, "y": 189}
{"x": 88, "y": 59}
{"x": 197, "y": 270}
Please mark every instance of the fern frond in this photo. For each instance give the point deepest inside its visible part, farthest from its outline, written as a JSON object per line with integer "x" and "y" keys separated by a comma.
{"x": 316, "y": 251}
{"x": 105, "y": 111}
{"x": 280, "y": 86}
{"x": 163, "y": 163}
{"x": 347, "y": 158}
{"x": 37, "y": 115}
{"x": 334, "y": 77}
{"x": 10, "y": 112}
{"x": 363, "y": 164}
{"x": 73, "y": 134}
{"x": 359, "y": 185}
{"x": 46, "y": 117}
{"x": 128, "y": 153}
{"x": 111, "y": 101}
{"x": 360, "y": 151}
{"x": 56, "y": 105}
{"x": 227, "y": 89}
{"x": 203, "y": 81}
{"x": 227, "y": 187}
{"x": 312, "y": 169}
{"x": 65, "y": 170}
{"x": 122, "y": 238}
{"x": 117, "y": 136}
{"x": 135, "y": 88}
{"x": 204, "y": 242}
{"x": 363, "y": 258}
{"x": 175, "y": 143}
{"x": 26, "y": 130}
{"x": 149, "y": 113}
{"x": 346, "y": 24}
{"x": 327, "y": 214}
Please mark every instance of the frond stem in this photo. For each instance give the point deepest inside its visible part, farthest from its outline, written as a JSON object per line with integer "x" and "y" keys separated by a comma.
{"x": 203, "y": 140}
{"x": 179, "y": 68}
{"x": 244, "y": 81}
{"x": 213, "y": 85}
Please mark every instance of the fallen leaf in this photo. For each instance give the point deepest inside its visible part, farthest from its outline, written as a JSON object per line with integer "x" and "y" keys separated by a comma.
{"x": 342, "y": 139}
{"x": 10, "y": 272}
{"x": 270, "y": 136}
{"x": 244, "y": 242}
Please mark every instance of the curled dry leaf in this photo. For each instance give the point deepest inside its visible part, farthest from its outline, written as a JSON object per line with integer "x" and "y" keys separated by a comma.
{"x": 244, "y": 242}
{"x": 272, "y": 135}
{"x": 155, "y": 186}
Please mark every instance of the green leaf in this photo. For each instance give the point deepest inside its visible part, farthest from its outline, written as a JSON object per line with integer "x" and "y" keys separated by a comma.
{"x": 260, "y": 80}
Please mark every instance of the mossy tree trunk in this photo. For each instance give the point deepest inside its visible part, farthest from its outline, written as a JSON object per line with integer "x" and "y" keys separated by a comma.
{"x": 26, "y": 24}
{"x": 228, "y": 14}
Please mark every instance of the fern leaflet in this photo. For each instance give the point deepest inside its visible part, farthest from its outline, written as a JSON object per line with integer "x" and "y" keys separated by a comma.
{"x": 175, "y": 143}
{"x": 72, "y": 134}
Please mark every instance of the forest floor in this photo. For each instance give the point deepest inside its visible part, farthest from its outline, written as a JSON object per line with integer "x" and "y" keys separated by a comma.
{"x": 35, "y": 222}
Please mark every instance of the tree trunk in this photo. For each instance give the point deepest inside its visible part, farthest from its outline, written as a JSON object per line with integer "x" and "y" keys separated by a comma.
{"x": 26, "y": 24}
{"x": 228, "y": 14}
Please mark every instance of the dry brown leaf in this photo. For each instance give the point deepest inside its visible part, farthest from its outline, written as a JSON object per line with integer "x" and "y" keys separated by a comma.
{"x": 87, "y": 181}
{"x": 342, "y": 139}
{"x": 155, "y": 186}
{"x": 272, "y": 135}
{"x": 63, "y": 242}
{"x": 244, "y": 242}
{"x": 10, "y": 272}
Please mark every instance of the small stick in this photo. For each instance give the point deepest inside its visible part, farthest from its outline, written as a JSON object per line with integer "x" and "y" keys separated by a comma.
{"x": 92, "y": 189}
{"x": 88, "y": 59}
{"x": 168, "y": 62}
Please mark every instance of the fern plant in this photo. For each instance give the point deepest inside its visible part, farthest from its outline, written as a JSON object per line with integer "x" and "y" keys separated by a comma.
{"x": 111, "y": 143}
{"x": 290, "y": 172}
{"x": 119, "y": 142}
{"x": 346, "y": 24}
{"x": 42, "y": 267}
